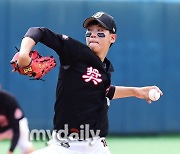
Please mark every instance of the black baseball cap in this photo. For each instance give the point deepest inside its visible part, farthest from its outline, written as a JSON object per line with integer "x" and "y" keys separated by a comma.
{"x": 104, "y": 19}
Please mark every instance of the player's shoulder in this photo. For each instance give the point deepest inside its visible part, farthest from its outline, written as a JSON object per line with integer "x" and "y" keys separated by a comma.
{"x": 71, "y": 39}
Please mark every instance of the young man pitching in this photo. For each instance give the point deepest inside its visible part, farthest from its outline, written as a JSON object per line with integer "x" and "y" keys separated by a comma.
{"x": 84, "y": 85}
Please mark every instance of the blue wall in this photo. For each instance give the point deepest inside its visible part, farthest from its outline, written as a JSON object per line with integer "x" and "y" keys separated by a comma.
{"x": 146, "y": 53}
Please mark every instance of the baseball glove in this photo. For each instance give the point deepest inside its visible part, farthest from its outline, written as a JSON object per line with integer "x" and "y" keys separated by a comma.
{"x": 38, "y": 67}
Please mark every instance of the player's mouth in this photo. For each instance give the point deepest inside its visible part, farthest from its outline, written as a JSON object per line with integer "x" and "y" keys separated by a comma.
{"x": 93, "y": 42}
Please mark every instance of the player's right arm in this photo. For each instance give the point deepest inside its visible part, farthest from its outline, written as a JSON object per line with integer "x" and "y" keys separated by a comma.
{"x": 138, "y": 92}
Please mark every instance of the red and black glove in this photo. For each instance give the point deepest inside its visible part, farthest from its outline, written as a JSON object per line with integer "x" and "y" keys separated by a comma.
{"x": 38, "y": 67}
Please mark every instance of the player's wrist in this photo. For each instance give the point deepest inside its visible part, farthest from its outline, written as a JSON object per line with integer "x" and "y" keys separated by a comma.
{"x": 24, "y": 61}
{"x": 136, "y": 92}
{"x": 26, "y": 65}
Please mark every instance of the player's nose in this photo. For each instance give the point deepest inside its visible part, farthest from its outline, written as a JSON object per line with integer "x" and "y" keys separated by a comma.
{"x": 93, "y": 34}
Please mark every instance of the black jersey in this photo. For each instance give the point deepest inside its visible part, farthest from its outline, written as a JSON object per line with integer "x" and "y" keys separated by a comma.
{"x": 10, "y": 114}
{"x": 82, "y": 85}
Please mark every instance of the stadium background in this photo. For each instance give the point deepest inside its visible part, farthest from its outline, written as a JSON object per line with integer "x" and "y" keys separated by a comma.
{"x": 146, "y": 53}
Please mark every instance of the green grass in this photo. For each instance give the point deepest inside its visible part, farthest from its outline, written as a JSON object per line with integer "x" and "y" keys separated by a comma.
{"x": 127, "y": 145}
{"x": 144, "y": 145}
{"x": 4, "y": 146}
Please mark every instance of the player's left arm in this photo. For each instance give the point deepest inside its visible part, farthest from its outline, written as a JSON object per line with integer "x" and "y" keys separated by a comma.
{"x": 138, "y": 92}
{"x": 26, "y": 46}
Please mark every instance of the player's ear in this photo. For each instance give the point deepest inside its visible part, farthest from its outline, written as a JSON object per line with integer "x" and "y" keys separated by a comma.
{"x": 113, "y": 38}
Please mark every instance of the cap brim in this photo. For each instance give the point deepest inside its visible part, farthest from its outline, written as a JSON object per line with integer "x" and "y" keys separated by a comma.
{"x": 89, "y": 20}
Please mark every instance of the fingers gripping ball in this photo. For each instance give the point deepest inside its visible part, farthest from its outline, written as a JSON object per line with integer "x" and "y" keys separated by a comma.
{"x": 38, "y": 67}
{"x": 154, "y": 95}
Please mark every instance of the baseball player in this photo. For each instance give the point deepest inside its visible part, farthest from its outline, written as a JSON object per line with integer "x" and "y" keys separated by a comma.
{"x": 13, "y": 124}
{"x": 84, "y": 87}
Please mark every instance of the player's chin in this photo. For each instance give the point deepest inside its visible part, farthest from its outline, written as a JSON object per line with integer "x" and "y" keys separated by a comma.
{"x": 94, "y": 48}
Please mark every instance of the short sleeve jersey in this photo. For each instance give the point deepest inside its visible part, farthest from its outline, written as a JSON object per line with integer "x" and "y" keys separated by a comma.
{"x": 82, "y": 85}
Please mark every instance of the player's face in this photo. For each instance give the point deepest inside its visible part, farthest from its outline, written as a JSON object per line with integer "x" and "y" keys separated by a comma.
{"x": 98, "y": 39}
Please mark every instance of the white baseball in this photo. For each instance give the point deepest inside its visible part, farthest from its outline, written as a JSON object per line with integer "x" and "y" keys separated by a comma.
{"x": 154, "y": 95}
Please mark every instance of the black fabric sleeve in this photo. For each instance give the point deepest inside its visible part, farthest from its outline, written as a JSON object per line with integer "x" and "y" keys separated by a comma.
{"x": 45, "y": 36}
{"x": 66, "y": 47}
{"x": 16, "y": 134}
{"x": 110, "y": 92}
{"x": 14, "y": 124}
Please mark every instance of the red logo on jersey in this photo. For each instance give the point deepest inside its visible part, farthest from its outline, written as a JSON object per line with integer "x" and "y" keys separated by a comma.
{"x": 92, "y": 74}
